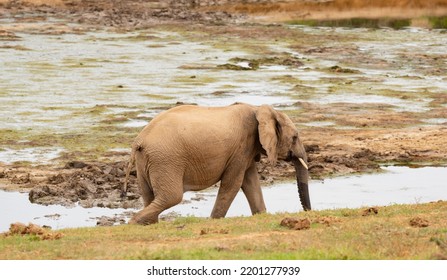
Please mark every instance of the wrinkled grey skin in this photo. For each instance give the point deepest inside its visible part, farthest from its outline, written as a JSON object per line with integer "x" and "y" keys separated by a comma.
{"x": 190, "y": 148}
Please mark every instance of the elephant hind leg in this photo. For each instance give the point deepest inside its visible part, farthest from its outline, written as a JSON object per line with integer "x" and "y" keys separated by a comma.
{"x": 150, "y": 213}
{"x": 163, "y": 200}
{"x": 145, "y": 188}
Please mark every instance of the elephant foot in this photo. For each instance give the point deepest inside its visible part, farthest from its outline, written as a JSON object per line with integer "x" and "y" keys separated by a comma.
{"x": 138, "y": 220}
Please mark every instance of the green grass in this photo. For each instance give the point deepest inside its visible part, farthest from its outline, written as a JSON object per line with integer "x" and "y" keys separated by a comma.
{"x": 348, "y": 235}
{"x": 356, "y": 23}
{"x": 438, "y": 22}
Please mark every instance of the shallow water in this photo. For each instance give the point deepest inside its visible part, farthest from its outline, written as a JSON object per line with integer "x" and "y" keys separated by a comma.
{"x": 42, "y": 155}
{"x": 15, "y": 207}
{"x": 398, "y": 185}
{"x": 395, "y": 186}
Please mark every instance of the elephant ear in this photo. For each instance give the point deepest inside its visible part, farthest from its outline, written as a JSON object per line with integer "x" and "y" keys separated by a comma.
{"x": 268, "y": 131}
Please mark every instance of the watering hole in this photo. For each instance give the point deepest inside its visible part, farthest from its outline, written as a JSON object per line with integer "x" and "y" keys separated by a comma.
{"x": 73, "y": 93}
{"x": 396, "y": 185}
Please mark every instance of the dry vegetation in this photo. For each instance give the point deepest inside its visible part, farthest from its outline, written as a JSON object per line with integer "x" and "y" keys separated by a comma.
{"x": 392, "y": 232}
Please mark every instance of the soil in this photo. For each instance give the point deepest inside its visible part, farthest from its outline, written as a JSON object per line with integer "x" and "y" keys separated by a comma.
{"x": 379, "y": 137}
{"x": 419, "y": 222}
{"x": 296, "y": 224}
{"x": 370, "y": 211}
{"x": 41, "y": 233}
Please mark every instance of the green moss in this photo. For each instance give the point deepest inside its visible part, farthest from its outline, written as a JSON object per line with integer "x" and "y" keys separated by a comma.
{"x": 154, "y": 96}
{"x": 234, "y": 67}
{"x": 287, "y": 79}
{"x": 435, "y": 22}
{"x": 338, "y": 69}
{"x": 356, "y": 23}
{"x": 438, "y": 22}
{"x": 255, "y": 63}
{"x": 196, "y": 80}
{"x": 84, "y": 62}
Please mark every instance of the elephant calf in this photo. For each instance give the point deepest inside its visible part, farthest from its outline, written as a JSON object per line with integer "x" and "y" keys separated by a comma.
{"x": 190, "y": 148}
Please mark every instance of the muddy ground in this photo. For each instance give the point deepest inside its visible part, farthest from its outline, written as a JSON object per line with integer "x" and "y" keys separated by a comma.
{"x": 363, "y": 137}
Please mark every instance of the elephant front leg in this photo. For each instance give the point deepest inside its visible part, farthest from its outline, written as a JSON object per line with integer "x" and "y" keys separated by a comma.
{"x": 229, "y": 187}
{"x": 252, "y": 190}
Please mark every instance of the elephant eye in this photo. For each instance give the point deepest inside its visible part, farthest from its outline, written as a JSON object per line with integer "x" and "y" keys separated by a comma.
{"x": 294, "y": 138}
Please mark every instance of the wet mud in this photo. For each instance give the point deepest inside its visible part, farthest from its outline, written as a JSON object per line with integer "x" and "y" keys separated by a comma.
{"x": 77, "y": 183}
{"x": 358, "y": 98}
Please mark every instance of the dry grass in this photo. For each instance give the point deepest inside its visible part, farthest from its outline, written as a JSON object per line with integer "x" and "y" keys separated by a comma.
{"x": 391, "y": 233}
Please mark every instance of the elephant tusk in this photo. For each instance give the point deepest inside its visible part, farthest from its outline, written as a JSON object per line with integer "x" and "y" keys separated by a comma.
{"x": 303, "y": 163}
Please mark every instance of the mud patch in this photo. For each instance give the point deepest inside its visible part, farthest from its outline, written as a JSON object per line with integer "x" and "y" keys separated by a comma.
{"x": 419, "y": 222}
{"x": 327, "y": 220}
{"x": 213, "y": 231}
{"x": 110, "y": 221}
{"x": 85, "y": 184}
{"x": 41, "y": 233}
{"x": 305, "y": 223}
{"x": 295, "y": 223}
{"x": 370, "y": 211}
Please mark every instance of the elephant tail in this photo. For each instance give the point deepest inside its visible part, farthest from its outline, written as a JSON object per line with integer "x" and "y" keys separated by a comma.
{"x": 135, "y": 147}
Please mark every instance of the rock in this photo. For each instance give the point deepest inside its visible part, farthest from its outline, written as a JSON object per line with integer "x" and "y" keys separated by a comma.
{"x": 296, "y": 224}
{"x": 105, "y": 221}
{"x": 32, "y": 229}
{"x": 419, "y": 222}
{"x": 75, "y": 164}
{"x": 370, "y": 211}
{"x": 327, "y": 221}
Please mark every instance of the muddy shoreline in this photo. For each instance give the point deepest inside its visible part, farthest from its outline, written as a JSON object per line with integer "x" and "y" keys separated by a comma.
{"x": 98, "y": 184}
{"x": 342, "y": 138}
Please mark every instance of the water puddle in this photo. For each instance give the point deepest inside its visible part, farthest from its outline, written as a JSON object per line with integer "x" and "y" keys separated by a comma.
{"x": 320, "y": 123}
{"x": 400, "y": 105}
{"x": 397, "y": 185}
{"x": 87, "y": 82}
{"x": 15, "y": 207}
{"x": 40, "y": 155}
{"x": 436, "y": 121}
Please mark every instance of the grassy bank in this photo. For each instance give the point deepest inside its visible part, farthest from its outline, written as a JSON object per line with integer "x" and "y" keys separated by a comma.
{"x": 394, "y": 232}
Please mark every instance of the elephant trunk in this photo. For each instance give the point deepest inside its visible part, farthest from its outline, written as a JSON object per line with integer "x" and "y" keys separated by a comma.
{"x": 302, "y": 178}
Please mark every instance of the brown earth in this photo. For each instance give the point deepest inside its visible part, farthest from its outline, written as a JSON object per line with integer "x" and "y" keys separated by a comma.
{"x": 41, "y": 233}
{"x": 332, "y": 9}
{"x": 131, "y": 14}
{"x": 331, "y": 152}
{"x": 377, "y": 137}
{"x": 296, "y": 224}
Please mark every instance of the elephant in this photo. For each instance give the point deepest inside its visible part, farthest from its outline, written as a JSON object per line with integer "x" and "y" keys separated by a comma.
{"x": 190, "y": 148}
